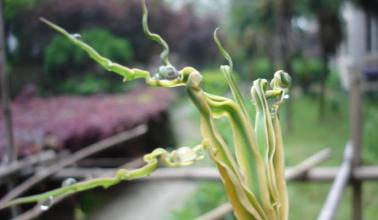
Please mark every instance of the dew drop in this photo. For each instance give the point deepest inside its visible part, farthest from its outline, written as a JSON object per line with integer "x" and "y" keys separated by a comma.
{"x": 273, "y": 111}
{"x": 286, "y": 96}
{"x": 163, "y": 69}
{"x": 156, "y": 76}
{"x": 76, "y": 36}
{"x": 109, "y": 63}
{"x": 186, "y": 155}
{"x": 168, "y": 72}
{"x": 46, "y": 204}
{"x": 172, "y": 75}
{"x": 68, "y": 182}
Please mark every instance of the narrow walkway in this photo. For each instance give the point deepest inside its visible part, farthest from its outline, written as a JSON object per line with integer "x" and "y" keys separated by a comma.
{"x": 145, "y": 201}
{"x": 155, "y": 200}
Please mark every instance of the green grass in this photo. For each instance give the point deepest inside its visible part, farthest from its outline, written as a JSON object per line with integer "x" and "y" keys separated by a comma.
{"x": 208, "y": 196}
{"x": 309, "y": 135}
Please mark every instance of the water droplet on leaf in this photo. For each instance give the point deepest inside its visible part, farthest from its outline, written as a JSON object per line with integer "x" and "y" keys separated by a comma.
{"x": 273, "y": 111}
{"x": 76, "y": 36}
{"x": 68, "y": 182}
{"x": 168, "y": 72}
{"x": 172, "y": 75}
{"x": 156, "y": 76}
{"x": 109, "y": 64}
{"x": 163, "y": 70}
{"x": 46, "y": 204}
{"x": 186, "y": 155}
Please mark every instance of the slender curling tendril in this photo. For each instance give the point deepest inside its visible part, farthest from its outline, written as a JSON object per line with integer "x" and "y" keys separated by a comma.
{"x": 183, "y": 156}
{"x": 253, "y": 174}
{"x": 227, "y": 71}
{"x": 155, "y": 37}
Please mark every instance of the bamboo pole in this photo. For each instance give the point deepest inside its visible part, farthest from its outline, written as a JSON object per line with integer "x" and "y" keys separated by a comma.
{"x": 319, "y": 174}
{"x": 27, "y": 163}
{"x": 217, "y": 213}
{"x": 355, "y": 112}
{"x": 306, "y": 165}
{"x": 342, "y": 178}
{"x": 10, "y": 154}
{"x": 71, "y": 159}
{"x": 37, "y": 211}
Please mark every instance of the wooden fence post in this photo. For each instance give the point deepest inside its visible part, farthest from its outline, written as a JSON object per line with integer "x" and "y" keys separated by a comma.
{"x": 355, "y": 114}
{"x": 10, "y": 154}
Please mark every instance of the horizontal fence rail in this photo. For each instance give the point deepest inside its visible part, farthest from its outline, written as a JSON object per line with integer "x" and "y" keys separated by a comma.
{"x": 71, "y": 159}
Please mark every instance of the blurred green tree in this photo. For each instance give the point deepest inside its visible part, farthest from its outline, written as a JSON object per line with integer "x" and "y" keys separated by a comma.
{"x": 60, "y": 53}
{"x": 64, "y": 62}
{"x": 12, "y": 7}
{"x": 307, "y": 71}
{"x": 268, "y": 30}
{"x": 328, "y": 16}
{"x": 251, "y": 32}
{"x": 264, "y": 32}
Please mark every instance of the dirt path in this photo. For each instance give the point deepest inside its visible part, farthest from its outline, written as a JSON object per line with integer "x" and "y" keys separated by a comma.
{"x": 154, "y": 200}
{"x": 145, "y": 201}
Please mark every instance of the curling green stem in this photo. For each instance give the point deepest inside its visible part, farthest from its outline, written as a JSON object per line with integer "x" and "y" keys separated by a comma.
{"x": 155, "y": 37}
{"x": 257, "y": 168}
{"x": 184, "y": 156}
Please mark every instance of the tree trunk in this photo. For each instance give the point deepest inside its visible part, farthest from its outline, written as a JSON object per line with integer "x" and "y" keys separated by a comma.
{"x": 283, "y": 50}
{"x": 10, "y": 151}
{"x": 322, "y": 95}
{"x": 10, "y": 154}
